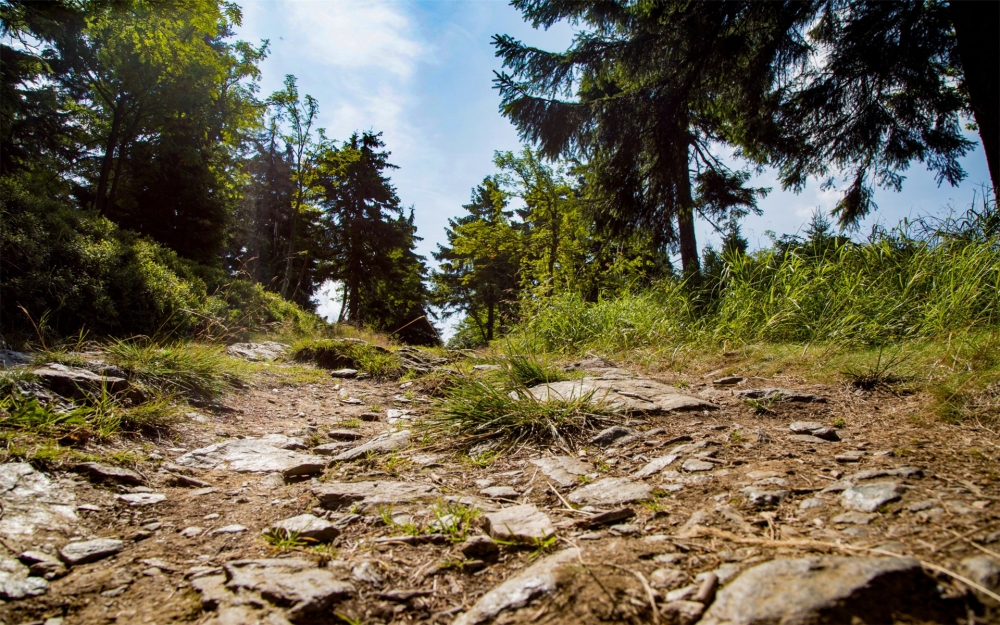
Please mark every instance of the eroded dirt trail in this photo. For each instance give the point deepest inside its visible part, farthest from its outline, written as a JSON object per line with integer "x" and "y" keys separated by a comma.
{"x": 653, "y": 521}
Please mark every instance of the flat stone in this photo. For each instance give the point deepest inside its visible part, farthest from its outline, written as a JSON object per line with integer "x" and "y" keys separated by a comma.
{"x": 141, "y": 499}
{"x": 621, "y": 395}
{"x": 692, "y": 465}
{"x": 213, "y": 591}
{"x": 77, "y": 383}
{"x": 729, "y": 380}
{"x": 985, "y": 572}
{"x": 807, "y": 438}
{"x": 667, "y": 578}
{"x": 813, "y": 428}
{"x": 251, "y": 455}
{"x": 33, "y": 502}
{"x": 764, "y": 498}
{"x": 344, "y": 435}
{"x": 381, "y": 445}
{"x": 98, "y": 472}
{"x": 827, "y": 590}
{"x": 869, "y": 497}
{"x": 682, "y": 611}
{"x": 10, "y": 358}
{"x": 524, "y": 523}
{"x": 541, "y": 578}
{"x": 344, "y": 373}
{"x": 608, "y": 518}
{"x": 480, "y": 547}
{"x": 336, "y": 495}
{"x": 192, "y": 532}
{"x": 309, "y": 527}
{"x": 812, "y": 502}
{"x": 15, "y": 589}
{"x": 230, "y": 529}
{"x": 854, "y": 518}
{"x": 282, "y": 441}
{"x": 612, "y": 435}
{"x": 499, "y": 492}
{"x": 331, "y": 449}
{"x": 87, "y": 551}
{"x": 870, "y": 474}
{"x": 288, "y": 582}
{"x": 564, "y": 470}
{"x": 264, "y": 351}
{"x": 611, "y": 491}
{"x": 656, "y": 465}
{"x": 849, "y": 457}
{"x": 780, "y": 395}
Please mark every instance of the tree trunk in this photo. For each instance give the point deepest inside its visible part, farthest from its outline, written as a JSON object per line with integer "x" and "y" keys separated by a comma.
{"x": 289, "y": 255}
{"x": 343, "y": 305}
{"x": 489, "y": 321}
{"x": 685, "y": 220}
{"x": 109, "y": 156}
{"x": 553, "y": 243}
{"x": 976, "y": 31}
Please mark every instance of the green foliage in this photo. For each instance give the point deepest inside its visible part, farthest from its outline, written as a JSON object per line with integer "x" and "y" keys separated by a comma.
{"x": 348, "y": 353}
{"x": 891, "y": 289}
{"x": 502, "y": 412}
{"x": 283, "y": 539}
{"x": 192, "y": 369}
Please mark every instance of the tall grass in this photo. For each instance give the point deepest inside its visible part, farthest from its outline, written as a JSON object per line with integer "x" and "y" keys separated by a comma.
{"x": 885, "y": 291}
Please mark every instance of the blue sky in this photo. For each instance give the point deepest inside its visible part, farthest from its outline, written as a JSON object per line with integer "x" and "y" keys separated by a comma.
{"x": 421, "y": 72}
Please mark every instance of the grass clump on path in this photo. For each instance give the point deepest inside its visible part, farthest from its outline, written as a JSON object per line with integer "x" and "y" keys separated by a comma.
{"x": 191, "y": 369}
{"x": 349, "y": 354}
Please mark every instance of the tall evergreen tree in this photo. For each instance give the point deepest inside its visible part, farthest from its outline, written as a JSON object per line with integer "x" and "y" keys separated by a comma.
{"x": 369, "y": 239}
{"x": 644, "y": 94}
{"x": 478, "y": 272}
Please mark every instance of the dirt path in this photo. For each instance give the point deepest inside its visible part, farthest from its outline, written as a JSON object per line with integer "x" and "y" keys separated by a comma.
{"x": 695, "y": 499}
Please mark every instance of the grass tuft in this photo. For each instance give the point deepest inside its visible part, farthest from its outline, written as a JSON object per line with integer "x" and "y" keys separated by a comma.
{"x": 351, "y": 354}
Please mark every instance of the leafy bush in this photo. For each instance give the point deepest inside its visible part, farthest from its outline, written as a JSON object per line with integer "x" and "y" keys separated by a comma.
{"x": 66, "y": 270}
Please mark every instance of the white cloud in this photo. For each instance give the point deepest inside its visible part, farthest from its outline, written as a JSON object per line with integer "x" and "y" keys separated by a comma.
{"x": 355, "y": 34}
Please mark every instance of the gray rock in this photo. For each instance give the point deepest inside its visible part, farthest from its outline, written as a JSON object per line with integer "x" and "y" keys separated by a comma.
{"x": 98, "y": 472}
{"x": 870, "y": 474}
{"x": 32, "y": 502}
{"x": 656, "y": 465}
{"x": 267, "y": 350}
{"x": 499, "y": 492}
{"x": 309, "y": 527}
{"x": 565, "y": 470}
{"x": 807, "y": 438}
{"x": 192, "y": 532}
{"x": 814, "y": 429}
{"x": 667, "y": 578}
{"x": 826, "y": 590}
{"x": 780, "y": 395}
{"x": 985, "y": 572}
{"x": 868, "y": 497}
{"x": 849, "y": 456}
{"x": 230, "y": 529}
{"x": 480, "y": 548}
{"x": 539, "y": 579}
{"x": 621, "y": 395}
{"x": 10, "y": 358}
{"x": 77, "y": 383}
{"x": 611, "y": 491}
{"x": 141, "y": 499}
{"x": 812, "y": 502}
{"x": 288, "y": 582}
{"x": 251, "y": 455}
{"x": 692, "y": 465}
{"x": 87, "y": 551}
{"x": 344, "y": 373}
{"x": 282, "y": 441}
{"x": 854, "y": 518}
{"x": 524, "y": 523}
{"x": 12, "y": 569}
{"x": 614, "y": 434}
{"x": 683, "y": 612}
{"x": 764, "y": 498}
{"x": 336, "y": 495}
{"x": 381, "y": 445}
{"x": 213, "y": 591}
{"x": 344, "y": 435}
{"x": 15, "y": 589}
{"x": 41, "y": 564}
{"x": 366, "y": 571}
{"x": 331, "y": 449}
{"x": 729, "y": 380}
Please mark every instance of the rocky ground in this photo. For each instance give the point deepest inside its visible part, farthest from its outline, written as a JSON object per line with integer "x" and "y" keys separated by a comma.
{"x": 710, "y": 500}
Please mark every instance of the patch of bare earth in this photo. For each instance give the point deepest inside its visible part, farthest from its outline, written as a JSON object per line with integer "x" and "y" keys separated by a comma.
{"x": 741, "y": 490}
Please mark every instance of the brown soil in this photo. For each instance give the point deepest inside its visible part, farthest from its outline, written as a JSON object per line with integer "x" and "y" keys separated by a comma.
{"x": 697, "y": 528}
